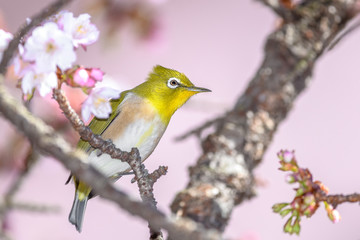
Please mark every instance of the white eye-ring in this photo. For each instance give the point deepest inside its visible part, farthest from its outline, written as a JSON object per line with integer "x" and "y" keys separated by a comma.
{"x": 173, "y": 82}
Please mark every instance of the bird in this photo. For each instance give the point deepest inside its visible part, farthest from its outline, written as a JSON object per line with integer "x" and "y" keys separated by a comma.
{"x": 139, "y": 119}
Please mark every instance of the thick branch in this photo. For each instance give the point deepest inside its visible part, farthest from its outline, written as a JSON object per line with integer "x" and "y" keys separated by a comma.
{"x": 223, "y": 175}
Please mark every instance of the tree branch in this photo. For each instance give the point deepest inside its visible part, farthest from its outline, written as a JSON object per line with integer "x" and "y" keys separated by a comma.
{"x": 337, "y": 199}
{"x": 223, "y": 176}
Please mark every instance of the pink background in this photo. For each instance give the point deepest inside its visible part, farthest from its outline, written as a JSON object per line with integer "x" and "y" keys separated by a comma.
{"x": 218, "y": 44}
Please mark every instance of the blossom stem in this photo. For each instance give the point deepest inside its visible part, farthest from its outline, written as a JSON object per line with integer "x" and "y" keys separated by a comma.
{"x": 337, "y": 199}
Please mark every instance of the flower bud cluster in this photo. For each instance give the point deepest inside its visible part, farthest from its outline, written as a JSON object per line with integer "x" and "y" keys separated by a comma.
{"x": 304, "y": 202}
{"x": 46, "y": 58}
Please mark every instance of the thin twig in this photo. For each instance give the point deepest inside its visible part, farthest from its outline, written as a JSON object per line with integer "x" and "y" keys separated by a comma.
{"x": 337, "y": 199}
{"x": 197, "y": 131}
{"x": 31, "y": 158}
{"x": 144, "y": 181}
{"x": 8, "y": 204}
{"x": 155, "y": 175}
{"x": 33, "y": 207}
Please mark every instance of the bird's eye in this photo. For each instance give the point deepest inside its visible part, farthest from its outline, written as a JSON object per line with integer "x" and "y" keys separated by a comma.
{"x": 173, "y": 83}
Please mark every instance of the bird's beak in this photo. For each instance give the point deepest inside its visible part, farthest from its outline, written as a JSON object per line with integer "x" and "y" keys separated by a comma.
{"x": 198, "y": 89}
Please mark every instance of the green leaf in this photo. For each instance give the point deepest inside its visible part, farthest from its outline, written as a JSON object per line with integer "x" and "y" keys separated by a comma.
{"x": 288, "y": 227}
{"x": 285, "y": 212}
{"x": 277, "y": 207}
{"x": 300, "y": 191}
{"x": 296, "y": 226}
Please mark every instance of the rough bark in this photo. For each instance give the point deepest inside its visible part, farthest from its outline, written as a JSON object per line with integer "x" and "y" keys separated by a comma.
{"x": 223, "y": 175}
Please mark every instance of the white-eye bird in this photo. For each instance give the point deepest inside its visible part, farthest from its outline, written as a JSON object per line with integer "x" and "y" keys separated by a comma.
{"x": 139, "y": 119}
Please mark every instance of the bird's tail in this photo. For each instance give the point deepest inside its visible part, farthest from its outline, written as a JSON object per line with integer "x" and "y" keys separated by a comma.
{"x": 77, "y": 212}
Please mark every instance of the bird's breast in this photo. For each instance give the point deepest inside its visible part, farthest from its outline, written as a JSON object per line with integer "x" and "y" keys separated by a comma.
{"x": 137, "y": 125}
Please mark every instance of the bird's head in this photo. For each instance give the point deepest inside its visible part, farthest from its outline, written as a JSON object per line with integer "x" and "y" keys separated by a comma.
{"x": 167, "y": 90}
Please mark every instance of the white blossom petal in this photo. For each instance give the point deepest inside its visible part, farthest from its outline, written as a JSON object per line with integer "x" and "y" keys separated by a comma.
{"x": 86, "y": 109}
{"x": 5, "y": 38}
{"x": 28, "y": 82}
{"x": 81, "y": 30}
{"x": 102, "y": 110}
{"x": 47, "y": 84}
{"x": 98, "y": 104}
{"x": 49, "y": 47}
{"x": 43, "y": 82}
{"x": 108, "y": 92}
{"x": 62, "y": 18}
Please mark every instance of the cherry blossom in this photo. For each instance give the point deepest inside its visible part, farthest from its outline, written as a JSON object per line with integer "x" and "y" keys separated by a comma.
{"x": 50, "y": 52}
{"x": 80, "y": 29}
{"x": 43, "y": 82}
{"x": 49, "y": 47}
{"x": 98, "y": 103}
{"x": 5, "y": 38}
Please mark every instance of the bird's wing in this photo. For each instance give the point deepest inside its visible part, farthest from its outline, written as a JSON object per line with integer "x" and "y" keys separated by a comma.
{"x": 98, "y": 126}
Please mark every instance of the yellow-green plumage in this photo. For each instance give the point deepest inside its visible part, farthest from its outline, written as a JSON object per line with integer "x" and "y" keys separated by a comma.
{"x": 139, "y": 119}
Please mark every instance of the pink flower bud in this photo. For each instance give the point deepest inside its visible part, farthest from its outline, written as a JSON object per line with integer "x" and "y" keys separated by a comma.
{"x": 322, "y": 187}
{"x": 295, "y": 205}
{"x": 96, "y": 74}
{"x": 336, "y": 216}
{"x": 309, "y": 199}
{"x": 290, "y": 178}
{"x": 333, "y": 214}
{"x": 81, "y": 77}
{"x": 86, "y": 77}
{"x": 288, "y": 156}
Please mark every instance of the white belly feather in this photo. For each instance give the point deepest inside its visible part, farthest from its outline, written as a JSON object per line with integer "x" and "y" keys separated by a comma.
{"x": 143, "y": 132}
